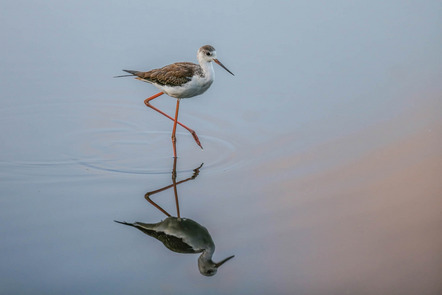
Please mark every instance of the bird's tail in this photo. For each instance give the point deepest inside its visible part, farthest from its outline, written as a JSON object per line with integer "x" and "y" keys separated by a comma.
{"x": 132, "y": 73}
{"x": 125, "y": 223}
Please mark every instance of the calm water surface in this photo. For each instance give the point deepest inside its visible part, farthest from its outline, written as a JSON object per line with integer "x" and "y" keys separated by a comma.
{"x": 321, "y": 161}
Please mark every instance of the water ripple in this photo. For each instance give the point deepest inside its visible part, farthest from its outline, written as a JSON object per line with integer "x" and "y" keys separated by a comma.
{"x": 107, "y": 137}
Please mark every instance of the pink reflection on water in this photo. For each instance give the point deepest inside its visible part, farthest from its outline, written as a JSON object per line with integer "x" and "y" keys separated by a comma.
{"x": 359, "y": 212}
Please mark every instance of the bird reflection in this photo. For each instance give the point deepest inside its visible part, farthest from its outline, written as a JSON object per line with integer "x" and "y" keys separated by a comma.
{"x": 179, "y": 234}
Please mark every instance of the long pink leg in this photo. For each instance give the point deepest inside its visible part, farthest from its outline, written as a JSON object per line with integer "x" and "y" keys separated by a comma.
{"x": 174, "y": 127}
{"x": 147, "y": 103}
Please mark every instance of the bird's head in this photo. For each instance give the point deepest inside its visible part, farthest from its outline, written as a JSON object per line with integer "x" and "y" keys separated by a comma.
{"x": 208, "y": 267}
{"x": 208, "y": 54}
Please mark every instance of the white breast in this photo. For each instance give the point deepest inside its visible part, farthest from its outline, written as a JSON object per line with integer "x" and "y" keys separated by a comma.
{"x": 194, "y": 87}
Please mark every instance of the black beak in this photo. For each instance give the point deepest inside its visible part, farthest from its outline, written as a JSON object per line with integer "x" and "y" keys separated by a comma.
{"x": 225, "y": 260}
{"x": 218, "y": 62}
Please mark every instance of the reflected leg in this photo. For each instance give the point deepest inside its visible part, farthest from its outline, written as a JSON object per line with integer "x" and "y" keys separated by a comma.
{"x": 174, "y": 185}
{"x": 175, "y": 191}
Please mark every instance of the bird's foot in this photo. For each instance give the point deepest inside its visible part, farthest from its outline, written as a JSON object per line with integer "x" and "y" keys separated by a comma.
{"x": 196, "y": 139}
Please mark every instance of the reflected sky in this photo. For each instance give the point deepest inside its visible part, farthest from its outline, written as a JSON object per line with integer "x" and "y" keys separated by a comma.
{"x": 321, "y": 155}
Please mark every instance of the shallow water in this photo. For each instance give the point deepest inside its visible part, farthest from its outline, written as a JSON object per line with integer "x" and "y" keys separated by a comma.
{"x": 321, "y": 163}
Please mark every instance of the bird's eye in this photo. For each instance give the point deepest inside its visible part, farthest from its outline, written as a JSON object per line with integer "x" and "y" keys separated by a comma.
{"x": 208, "y": 54}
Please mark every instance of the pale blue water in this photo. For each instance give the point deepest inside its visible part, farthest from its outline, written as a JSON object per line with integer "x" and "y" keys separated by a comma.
{"x": 322, "y": 157}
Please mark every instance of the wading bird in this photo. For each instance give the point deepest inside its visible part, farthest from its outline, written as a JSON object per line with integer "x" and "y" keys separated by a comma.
{"x": 181, "y": 80}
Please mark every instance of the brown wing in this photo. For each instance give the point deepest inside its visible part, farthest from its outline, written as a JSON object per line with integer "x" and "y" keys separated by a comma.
{"x": 175, "y": 74}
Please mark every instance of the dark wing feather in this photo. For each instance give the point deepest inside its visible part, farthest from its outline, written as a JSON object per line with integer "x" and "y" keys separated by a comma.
{"x": 173, "y": 243}
{"x": 176, "y": 74}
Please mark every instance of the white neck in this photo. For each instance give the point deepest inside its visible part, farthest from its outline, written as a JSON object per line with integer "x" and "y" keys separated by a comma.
{"x": 205, "y": 259}
{"x": 207, "y": 68}
{"x": 207, "y": 254}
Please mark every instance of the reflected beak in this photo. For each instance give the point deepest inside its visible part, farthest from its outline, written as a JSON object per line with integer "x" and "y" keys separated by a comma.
{"x": 228, "y": 258}
{"x": 218, "y": 62}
